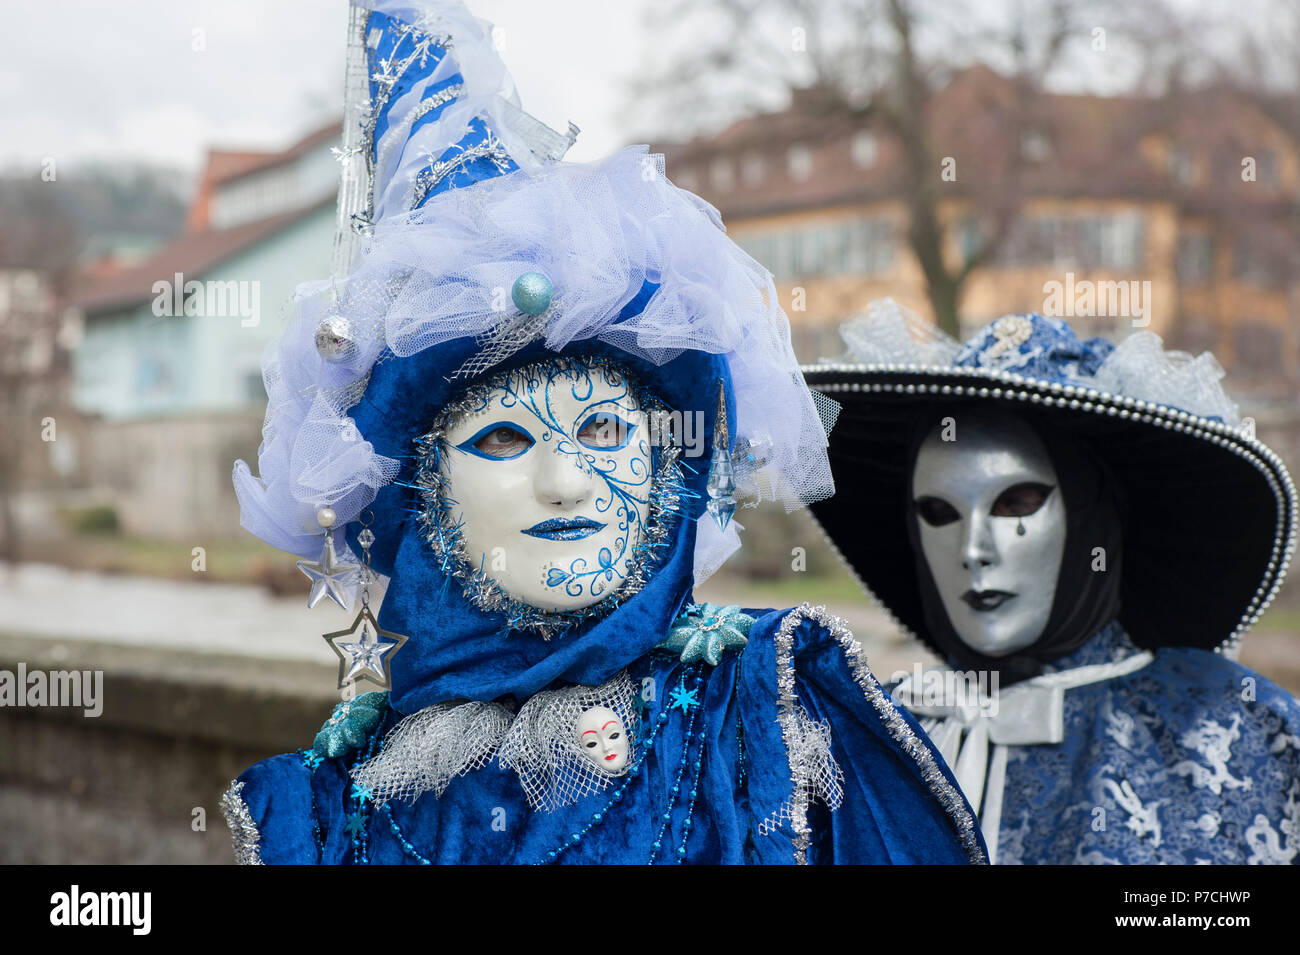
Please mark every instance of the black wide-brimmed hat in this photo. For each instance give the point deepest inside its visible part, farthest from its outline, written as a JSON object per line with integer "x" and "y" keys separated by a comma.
{"x": 1209, "y": 524}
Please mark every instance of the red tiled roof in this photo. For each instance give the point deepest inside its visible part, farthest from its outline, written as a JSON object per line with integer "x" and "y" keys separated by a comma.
{"x": 192, "y": 255}
{"x": 226, "y": 165}
{"x": 257, "y": 162}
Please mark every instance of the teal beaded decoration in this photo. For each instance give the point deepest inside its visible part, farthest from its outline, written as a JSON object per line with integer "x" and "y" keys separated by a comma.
{"x": 704, "y": 632}
{"x": 350, "y": 725}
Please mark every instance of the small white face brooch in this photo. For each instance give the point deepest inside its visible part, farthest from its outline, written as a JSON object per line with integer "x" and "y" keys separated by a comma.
{"x": 602, "y": 737}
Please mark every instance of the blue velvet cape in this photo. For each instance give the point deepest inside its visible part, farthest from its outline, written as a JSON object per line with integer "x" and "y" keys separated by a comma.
{"x": 896, "y": 808}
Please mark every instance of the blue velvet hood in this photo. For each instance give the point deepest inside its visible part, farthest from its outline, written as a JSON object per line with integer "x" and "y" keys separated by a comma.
{"x": 457, "y": 651}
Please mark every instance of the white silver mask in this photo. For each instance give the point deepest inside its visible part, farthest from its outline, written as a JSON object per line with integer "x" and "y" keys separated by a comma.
{"x": 992, "y": 528}
{"x": 549, "y": 479}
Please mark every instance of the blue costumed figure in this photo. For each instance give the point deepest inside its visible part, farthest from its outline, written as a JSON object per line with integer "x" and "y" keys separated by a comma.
{"x": 1083, "y": 531}
{"x": 528, "y": 404}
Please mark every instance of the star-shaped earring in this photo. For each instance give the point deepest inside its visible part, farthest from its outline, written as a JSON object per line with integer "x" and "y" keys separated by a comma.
{"x": 327, "y": 575}
{"x": 364, "y": 656}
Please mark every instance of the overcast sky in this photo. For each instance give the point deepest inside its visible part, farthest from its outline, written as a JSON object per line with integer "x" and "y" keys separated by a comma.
{"x": 105, "y": 79}
{"x": 83, "y": 80}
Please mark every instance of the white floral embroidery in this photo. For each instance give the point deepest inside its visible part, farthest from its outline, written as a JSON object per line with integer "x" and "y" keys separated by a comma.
{"x": 1143, "y": 819}
{"x": 1214, "y": 744}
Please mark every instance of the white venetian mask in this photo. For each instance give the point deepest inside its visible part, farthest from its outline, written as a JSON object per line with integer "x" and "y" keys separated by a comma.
{"x": 602, "y": 737}
{"x": 992, "y": 529}
{"x": 548, "y": 477}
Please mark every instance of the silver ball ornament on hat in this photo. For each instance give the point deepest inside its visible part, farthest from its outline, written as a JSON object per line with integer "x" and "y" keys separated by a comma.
{"x": 334, "y": 339}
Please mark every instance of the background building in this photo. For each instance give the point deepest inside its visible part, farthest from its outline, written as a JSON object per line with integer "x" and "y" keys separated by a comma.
{"x": 170, "y": 357}
{"x": 1190, "y": 201}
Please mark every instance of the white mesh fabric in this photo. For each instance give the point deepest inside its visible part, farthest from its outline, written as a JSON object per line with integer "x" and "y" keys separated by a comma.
{"x": 888, "y": 333}
{"x": 428, "y": 749}
{"x": 1139, "y": 367}
{"x": 542, "y": 744}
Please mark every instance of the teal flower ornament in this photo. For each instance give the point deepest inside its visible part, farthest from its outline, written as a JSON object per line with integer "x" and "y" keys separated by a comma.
{"x": 704, "y": 632}
{"x": 350, "y": 725}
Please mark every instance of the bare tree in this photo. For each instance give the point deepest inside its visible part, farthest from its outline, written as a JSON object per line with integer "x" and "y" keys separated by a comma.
{"x": 887, "y": 60}
{"x": 37, "y": 251}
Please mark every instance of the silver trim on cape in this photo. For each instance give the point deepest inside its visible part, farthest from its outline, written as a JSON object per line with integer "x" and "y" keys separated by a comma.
{"x": 244, "y": 835}
{"x": 913, "y": 745}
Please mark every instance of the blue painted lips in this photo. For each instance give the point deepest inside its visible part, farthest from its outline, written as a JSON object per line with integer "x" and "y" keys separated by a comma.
{"x": 564, "y": 528}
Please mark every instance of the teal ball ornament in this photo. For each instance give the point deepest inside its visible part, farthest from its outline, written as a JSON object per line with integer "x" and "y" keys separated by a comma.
{"x": 532, "y": 293}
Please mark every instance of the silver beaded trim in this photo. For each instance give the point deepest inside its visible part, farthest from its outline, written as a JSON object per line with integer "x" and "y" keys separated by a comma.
{"x": 1012, "y": 387}
{"x": 243, "y": 830}
{"x": 913, "y": 745}
{"x": 440, "y": 98}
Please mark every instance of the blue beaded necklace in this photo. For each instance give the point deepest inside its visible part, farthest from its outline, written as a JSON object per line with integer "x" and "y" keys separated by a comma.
{"x": 696, "y": 681}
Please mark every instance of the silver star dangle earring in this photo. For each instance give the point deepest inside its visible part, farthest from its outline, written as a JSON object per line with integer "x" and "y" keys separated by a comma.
{"x": 363, "y": 648}
{"x": 328, "y": 577}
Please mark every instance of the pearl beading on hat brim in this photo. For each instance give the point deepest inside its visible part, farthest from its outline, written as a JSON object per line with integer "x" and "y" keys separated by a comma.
{"x": 1007, "y": 386}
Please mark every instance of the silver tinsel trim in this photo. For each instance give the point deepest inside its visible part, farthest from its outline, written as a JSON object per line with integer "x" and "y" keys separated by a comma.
{"x": 428, "y": 179}
{"x": 391, "y": 70}
{"x": 504, "y": 339}
{"x": 813, "y": 768}
{"x": 667, "y": 494}
{"x": 243, "y": 830}
{"x": 793, "y": 732}
{"x": 427, "y": 750}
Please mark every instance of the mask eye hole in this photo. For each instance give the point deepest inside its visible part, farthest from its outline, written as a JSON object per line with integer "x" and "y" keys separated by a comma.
{"x": 614, "y": 735}
{"x": 1021, "y": 500}
{"x": 500, "y": 441}
{"x": 605, "y": 431}
{"x": 935, "y": 511}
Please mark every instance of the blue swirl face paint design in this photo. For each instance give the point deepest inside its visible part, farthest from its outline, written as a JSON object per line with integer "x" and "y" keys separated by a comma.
{"x": 543, "y": 493}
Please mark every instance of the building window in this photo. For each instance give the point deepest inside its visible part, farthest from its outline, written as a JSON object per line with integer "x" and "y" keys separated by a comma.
{"x": 1084, "y": 242}
{"x": 799, "y": 160}
{"x": 863, "y": 148}
{"x": 1194, "y": 334}
{"x": 721, "y": 176}
{"x": 1034, "y": 145}
{"x": 1255, "y": 264}
{"x": 1182, "y": 168}
{"x": 751, "y": 169}
{"x": 254, "y": 390}
{"x": 1195, "y": 262}
{"x": 1266, "y": 167}
{"x": 847, "y": 247}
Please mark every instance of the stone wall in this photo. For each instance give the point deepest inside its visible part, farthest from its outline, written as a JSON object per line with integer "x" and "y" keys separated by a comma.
{"x": 175, "y": 730}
